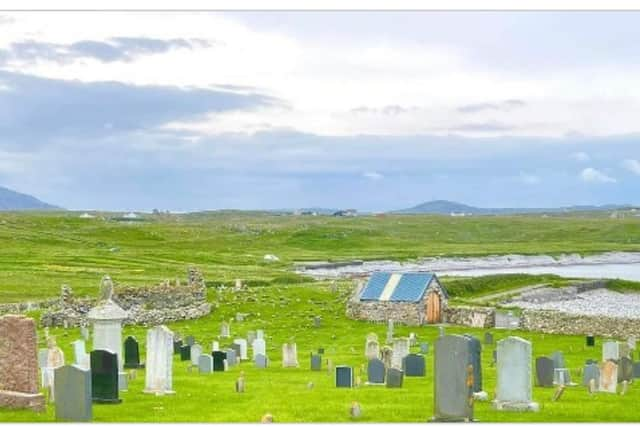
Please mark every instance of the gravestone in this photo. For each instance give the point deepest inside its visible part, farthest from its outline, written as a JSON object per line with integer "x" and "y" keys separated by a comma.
{"x": 104, "y": 377}
{"x": 414, "y": 365}
{"x": 561, "y": 376}
{"x": 132, "y": 354}
{"x": 260, "y": 361}
{"x": 608, "y": 377}
{"x": 400, "y": 351}
{"x": 215, "y": 346}
{"x": 610, "y": 351}
{"x": 394, "y": 378}
{"x": 43, "y": 354}
{"x": 424, "y": 348}
{"x": 259, "y": 347}
{"x": 590, "y": 341}
{"x": 232, "y": 357}
{"x": 316, "y": 362}
{"x": 375, "y": 371}
{"x": 488, "y": 338}
{"x": 55, "y": 359}
{"x": 80, "y": 355}
{"x": 289, "y": 355}
{"x": 73, "y": 394}
{"x": 371, "y": 346}
{"x": 387, "y": 356}
{"x": 625, "y": 369}
{"x": 321, "y": 350}
{"x": 19, "y": 364}
{"x": 590, "y": 372}
{"x": 389, "y": 331}
{"x": 317, "y": 321}
{"x": 636, "y": 370}
{"x": 159, "y": 361}
{"x": 185, "y": 353}
{"x": 559, "y": 363}
{"x": 107, "y": 318}
{"x": 344, "y": 376}
{"x": 205, "y": 364}
{"x": 544, "y": 372}
{"x": 413, "y": 340}
{"x": 242, "y": 354}
{"x": 225, "y": 330}
{"x": 177, "y": 345}
{"x": 624, "y": 350}
{"x": 219, "y": 358}
{"x": 514, "y": 389}
{"x": 189, "y": 340}
{"x": 196, "y": 352}
{"x": 453, "y": 387}
{"x": 236, "y": 347}
{"x": 260, "y": 334}
{"x": 476, "y": 355}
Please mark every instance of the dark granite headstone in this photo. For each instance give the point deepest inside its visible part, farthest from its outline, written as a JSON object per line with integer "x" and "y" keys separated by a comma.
{"x": 476, "y": 355}
{"x": 544, "y": 372}
{"x": 72, "y": 387}
{"x": 218, "y": 360}
{"x": 394, "y": 378}
{"x": 132, "y": 354}
{"x": 591, "y": 341}
{"x": 104, "y": 377}
{"x": 344, "y": 376}
{"x": 185, "y": 352}
{"x": 177, "y": 345}
{"x": 316, "y": 362}
{"x": 375, "y": 371}
{"x": 453, "y": 387}
{"x": 414, "y": 365}
{"x": 625, "y": 369}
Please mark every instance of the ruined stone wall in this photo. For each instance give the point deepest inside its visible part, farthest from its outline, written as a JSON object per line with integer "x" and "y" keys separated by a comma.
{"x": 475, "y": 317}
{"x": 555, "y": 322}
{"x": 147, "y": 305}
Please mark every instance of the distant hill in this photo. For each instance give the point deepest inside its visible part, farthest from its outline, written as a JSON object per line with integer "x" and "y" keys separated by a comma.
{"x": 445, "y": 207}
{"x": 12, "y": 200}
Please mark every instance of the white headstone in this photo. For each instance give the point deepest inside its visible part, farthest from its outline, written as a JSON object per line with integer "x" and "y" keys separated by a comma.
{"x": 289, "y": 355}
{"x": 215, "y": 346}
{"x": 259, "y": 347}
{"x": 159, "y": 369}
{"x": 81, "y": 357}
{"x": 243, "y": 348}
{"x": 196, "y": 351}
{"x": 400, "y": 351}
{"x": 514, "y": 389}
{"x": 225, "y": 330}
{"x": 610, "y": 350}
{"x": 260, "y": 334}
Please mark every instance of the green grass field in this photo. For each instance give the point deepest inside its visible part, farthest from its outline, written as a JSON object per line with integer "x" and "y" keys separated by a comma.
{"x": 39, "y": 252}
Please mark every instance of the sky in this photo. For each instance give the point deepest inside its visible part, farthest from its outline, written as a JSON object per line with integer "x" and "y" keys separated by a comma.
{"x": 368, "y": 110}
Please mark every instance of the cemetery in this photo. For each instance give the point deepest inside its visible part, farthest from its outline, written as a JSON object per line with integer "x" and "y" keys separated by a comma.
{"x": 278, "y": 346}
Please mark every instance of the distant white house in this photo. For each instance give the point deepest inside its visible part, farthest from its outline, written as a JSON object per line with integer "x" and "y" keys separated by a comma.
{"x": 131, "y": 215}
{"x": 86, "y": 215}
{"x": 460, "y": 214}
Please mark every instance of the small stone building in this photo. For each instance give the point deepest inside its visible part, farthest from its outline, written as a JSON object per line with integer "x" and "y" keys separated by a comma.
{"x": 409, "y": 298}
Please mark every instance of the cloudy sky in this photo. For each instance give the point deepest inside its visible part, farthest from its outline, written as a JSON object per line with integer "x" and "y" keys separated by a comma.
{"x": 370, "y": 110}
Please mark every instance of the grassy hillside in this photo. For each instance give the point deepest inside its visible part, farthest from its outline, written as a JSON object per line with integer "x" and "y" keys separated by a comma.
{"x": 40, "y": 251}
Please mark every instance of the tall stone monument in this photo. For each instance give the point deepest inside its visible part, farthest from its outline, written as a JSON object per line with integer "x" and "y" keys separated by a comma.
{"x": 19, "y": 364}
{"x": 107, "y": 319}
{"x": 159, "y": 364}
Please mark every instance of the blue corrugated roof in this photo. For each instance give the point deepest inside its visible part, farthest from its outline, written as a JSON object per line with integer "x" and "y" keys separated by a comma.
{"x": 411, "y": 286}
{"x": 375, "y": 286}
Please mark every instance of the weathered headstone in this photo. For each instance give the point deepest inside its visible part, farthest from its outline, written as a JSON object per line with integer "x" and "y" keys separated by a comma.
{"x": 371, "y": 347}
{"x": 215, "y": 346}
{"x": 590, "y": 372}
{"x": 400, "y": 351}
{"x": 608, "y": 377}
{"x": 132, "y": 353}
{"x": 107, "y": 318}
{"x": 387, "y": 355}
{"x": 413, "y": 339}
{"x": 625, "y": 369}
{"x": 476, "y": 361}
{"x": 488, "y": 338}
{"x": 317, "y": 321}
{"x": 389, "y": 331}
{"x": 225, "y": 330}
{"x": 185, "y": 353}
{"x": 104, "y": 377}
{"x": 80, "y": 355}
{"x": 514, "y": 391}
{"x": 344, "y": 376}
{"x": 73, "y": 394}
{"x": 441, "y": 331}
{"x": 260, "y": 361}
{"x": 316, "y": 362}
{"x": 219, "y": 358}
{"x": 375, "y": 371}
{"x": 414, "y": 365}
{"x": 205, "y": 364}
{"x": 55, "y": 359}
{"x": 394, "y": 378}
{"x": 610, "y": 351}
{"x": 289, "y": 355}
{"x": 189, "y": 340}
{"x": 196, "y": 352}
{"x": 558, "y": 360}
{"x": 453, "y": 385}
{"x": 624, "y": 350}
{"x": 590, "y": 341}
{"x": 561, "y": 376}
{"x": 424, "y": 348}
{"x": 544, "y": 372}
{"x": 260, "y": 334}
{"x": 243, "y": 348}
{"x": 259, "y": 347}
{"x": 19, "y": 364}
{"x": 232, "y": 357}
{"x": 159, "y": 361}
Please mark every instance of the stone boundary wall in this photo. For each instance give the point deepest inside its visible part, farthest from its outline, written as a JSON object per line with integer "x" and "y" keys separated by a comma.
{"x": 555, "y": 322}
{"x": 23, "y": 307}
{"x": 147, "y": 305}
{"x": 475, "y": 317}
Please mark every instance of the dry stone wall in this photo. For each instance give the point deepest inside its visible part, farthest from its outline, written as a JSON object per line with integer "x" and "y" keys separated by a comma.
{"x": 556, "y": 322}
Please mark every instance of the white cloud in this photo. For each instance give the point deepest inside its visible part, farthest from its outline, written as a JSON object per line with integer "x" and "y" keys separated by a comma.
{"x": 529, "y": 179}
{"x": 632, "y": 165}
{"x": 374, "y": 176}
{"x": 594, "y": 175}
{"x": 580, "y": 156}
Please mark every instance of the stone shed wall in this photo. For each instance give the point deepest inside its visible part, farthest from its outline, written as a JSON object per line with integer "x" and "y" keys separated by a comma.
{"x": 555, "y": 322}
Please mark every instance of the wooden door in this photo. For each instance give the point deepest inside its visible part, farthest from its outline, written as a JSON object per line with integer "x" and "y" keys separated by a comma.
{"x": 433, "y": 308}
